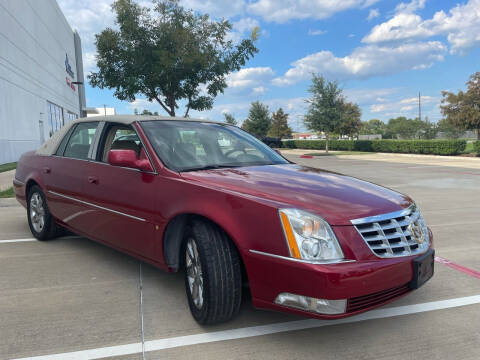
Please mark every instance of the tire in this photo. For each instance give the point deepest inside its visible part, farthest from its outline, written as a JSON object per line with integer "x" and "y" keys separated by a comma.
{"x": 41, "y": 223}
{"x": 219, "y": 273}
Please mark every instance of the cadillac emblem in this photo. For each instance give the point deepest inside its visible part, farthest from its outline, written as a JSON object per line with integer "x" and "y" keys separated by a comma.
{"x": 416, "y": 232}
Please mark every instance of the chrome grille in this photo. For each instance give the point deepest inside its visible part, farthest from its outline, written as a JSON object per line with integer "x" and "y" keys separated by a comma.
{"x": 400, "y": 233}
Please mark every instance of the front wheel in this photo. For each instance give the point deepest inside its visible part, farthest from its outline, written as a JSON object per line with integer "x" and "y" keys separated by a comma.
{"x": 40, "y": 220}
{"x": 213, "y": 277}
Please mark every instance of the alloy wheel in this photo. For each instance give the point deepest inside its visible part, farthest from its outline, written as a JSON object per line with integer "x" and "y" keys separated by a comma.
{"x": 37, "y": 212}
{"x": 194, "y": 273}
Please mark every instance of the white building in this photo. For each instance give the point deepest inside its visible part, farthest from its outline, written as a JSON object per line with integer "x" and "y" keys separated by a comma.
{"x": 40, "y": 71}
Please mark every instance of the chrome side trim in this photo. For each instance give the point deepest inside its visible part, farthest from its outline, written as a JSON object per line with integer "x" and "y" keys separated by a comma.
{"x": 326, "y": 262}
{"x": 387, "y": 216}
{"x": 96, "y": 206}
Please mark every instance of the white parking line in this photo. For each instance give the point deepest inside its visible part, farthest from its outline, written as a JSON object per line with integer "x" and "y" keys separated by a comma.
{"x": 17, "y": 240}
{"x": 33, "y": 239}
{"x": 241, "y": 333}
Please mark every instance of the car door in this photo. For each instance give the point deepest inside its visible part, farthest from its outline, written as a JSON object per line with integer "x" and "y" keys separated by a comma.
{"x": 65, "y": 173}
{"x": 124, "y": 197}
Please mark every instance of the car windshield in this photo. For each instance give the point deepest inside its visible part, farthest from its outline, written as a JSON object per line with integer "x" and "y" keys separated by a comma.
{"x": 194, "y": 145}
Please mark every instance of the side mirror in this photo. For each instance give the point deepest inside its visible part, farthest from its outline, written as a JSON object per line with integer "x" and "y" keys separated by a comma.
{"x": 128, "y": 158}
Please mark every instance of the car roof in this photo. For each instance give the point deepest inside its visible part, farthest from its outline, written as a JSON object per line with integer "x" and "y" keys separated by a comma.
{"x": 51, "y": 145}
{"x": 129, "y": 119}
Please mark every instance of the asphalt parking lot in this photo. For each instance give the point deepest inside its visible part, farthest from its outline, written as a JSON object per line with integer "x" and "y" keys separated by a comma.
{"x": 72, "y": 298}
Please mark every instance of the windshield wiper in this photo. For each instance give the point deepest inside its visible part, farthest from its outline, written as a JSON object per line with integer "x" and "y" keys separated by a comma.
{"x": 210, "y": 167}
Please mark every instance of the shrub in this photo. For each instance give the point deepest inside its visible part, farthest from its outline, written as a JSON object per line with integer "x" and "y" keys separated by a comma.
{"x": 476, "y": 147}
{"x": 436, "y": 147}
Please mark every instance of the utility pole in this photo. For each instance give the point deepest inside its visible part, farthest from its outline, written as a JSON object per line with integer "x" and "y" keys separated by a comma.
{"x": 419, "y": 107}
{"x": 104, "y": 110}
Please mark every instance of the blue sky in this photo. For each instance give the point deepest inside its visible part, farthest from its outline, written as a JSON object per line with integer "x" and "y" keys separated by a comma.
{"x": 382, "y": 52}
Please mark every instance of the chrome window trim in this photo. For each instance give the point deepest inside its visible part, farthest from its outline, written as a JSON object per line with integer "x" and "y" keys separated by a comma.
{"x": 95, "y": 151}
{"x": 69, "y": 134}
{"x": 326, "y": 262}
{"x": 96, "y": 206}
{"x": 92, "y": 153}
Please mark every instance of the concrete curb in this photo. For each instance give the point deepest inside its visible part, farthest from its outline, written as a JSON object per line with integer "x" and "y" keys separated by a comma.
{"x": 418, "y": 156}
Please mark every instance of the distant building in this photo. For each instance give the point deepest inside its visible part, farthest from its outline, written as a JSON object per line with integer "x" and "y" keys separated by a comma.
{"x": 41, "y": 75}
{"x": 100, "y": 111}
{"x": 305, "y": 136}
{"x": 370, "y": 137}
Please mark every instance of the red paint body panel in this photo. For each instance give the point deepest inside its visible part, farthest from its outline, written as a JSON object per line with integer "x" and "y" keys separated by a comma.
{"x": 337, "y": 198}
{"x": 129, "y": 210}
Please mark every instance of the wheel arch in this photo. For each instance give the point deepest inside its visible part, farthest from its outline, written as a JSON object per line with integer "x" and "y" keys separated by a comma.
{"x": 173, "y": 239}
{"x": 28, "y": 186}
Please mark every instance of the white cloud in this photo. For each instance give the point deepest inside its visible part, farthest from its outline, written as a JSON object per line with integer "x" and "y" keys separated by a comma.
{"x": 250, "y": 78}
{"x": 407, "y": 107}
{"x": 281, "y": 11}
{"x": 374, "y": 13}
{"x": 88, "y": 17}
{"x": 294, "y": 107}
{"x": 216, "y": 8}
{"x": 364, "y": 62}
{"x": 410, "y": 7}
{"x": 461, "y": 26}
{"x": 243, "y": 28}
{"x": 316, "y": 32}
{"x": 368, "y": 96}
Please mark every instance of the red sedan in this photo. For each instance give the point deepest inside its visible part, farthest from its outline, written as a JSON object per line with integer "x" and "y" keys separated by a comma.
{"x": 210, "y": 199}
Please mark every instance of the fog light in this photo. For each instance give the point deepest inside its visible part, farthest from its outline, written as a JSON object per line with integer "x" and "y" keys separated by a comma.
{"x": 320, "y": 306}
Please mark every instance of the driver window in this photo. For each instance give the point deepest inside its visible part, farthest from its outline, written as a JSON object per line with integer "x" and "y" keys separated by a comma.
{"x": 121, "y": 137}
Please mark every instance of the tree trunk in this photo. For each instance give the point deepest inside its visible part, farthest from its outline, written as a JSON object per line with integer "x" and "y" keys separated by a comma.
{"x": 326, "y": 142}
{"x": 478, "y": 134}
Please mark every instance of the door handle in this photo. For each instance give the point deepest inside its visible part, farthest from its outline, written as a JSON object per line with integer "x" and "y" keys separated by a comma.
{"x": 47, "y": 170}
{"x": 93, "y": 180}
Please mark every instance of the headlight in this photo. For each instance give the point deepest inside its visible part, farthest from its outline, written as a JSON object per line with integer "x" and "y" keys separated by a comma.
{"x": 309, "y": 237}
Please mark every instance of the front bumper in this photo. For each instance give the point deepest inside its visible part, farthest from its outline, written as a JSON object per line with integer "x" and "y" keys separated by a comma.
{"x": 365, "y": 284}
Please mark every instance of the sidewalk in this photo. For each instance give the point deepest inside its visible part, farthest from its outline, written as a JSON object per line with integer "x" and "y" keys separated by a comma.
{"x": 6, "y": 179}
{"x": 427, "y": 160}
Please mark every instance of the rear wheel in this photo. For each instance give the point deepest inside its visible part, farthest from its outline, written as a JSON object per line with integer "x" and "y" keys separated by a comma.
{"x": 40, "y": 220}
{"x": 213, "y": 277}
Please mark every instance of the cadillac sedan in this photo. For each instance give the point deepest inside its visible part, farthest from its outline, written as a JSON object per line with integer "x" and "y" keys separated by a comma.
{"x": 209, "y": 199}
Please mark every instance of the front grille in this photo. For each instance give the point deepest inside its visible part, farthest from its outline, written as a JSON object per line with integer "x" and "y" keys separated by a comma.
{"x": 367, "y": 301}
{"x": 401, "y": 233}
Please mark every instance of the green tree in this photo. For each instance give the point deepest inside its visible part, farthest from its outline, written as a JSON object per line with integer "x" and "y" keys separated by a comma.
{"x": 429, "y": 131}
{"x": 148, "y": 112}
{"x": 463, "y": 109}
{"x": 258, "y": 122}
{"x": 448, "y": 130}
{"x": 167, "y": 54}
{"x": 280, "y": 128}
{"x": 351, "y": 120}
{"x": 326, "y": 110}
{"x": 405, "y": 128}
{"x": 229, "y": 119}
{"x": 373, "y": 127}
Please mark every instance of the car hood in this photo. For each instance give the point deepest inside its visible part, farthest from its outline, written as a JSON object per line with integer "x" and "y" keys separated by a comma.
{"x": 335, "y": 197}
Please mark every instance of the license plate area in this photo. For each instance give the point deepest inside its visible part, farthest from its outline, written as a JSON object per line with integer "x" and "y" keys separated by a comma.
{"x": 423, "y": 268}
